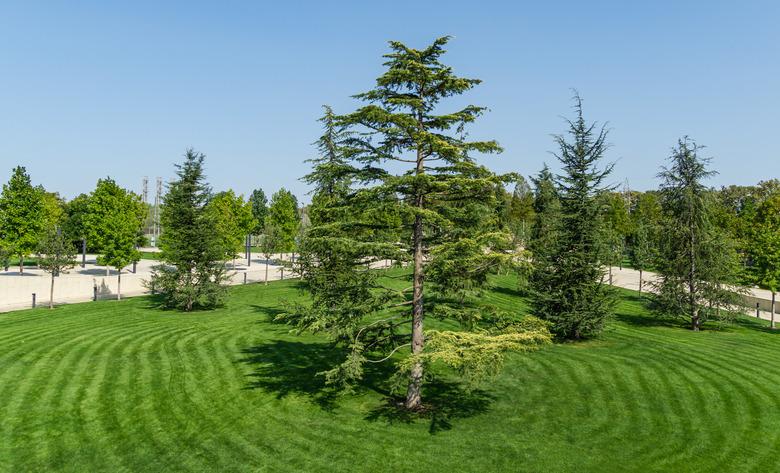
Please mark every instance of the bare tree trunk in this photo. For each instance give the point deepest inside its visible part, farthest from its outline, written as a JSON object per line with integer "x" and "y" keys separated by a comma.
{"x": 610, "y": 274}
{"x": 21, "y": 264}
{"x": 266, "y": 270}
{"x": 414, "y": 390}
{"x": 51, "y": 292}
{"x": 119, "y": 285}
{"x": 640, "y": 281}
{"x": 695, "y": 322}
{"x": 772, "y": 315}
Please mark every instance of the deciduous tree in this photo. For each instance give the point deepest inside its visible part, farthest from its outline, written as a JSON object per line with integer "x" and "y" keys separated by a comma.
{"x": 57, "y": 256}
{"x": 22, "y": 217}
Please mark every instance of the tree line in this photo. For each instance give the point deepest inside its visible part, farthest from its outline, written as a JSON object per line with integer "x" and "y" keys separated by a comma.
{"x": 110, "y": 222}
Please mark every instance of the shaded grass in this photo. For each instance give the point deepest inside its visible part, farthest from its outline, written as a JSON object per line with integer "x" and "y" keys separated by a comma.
{"x": 120, "y": 386}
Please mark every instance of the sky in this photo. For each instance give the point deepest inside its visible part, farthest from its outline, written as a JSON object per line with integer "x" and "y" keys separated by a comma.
{"x": 122, "y": 89}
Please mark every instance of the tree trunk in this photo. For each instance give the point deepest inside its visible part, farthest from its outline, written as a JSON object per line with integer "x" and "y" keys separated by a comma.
{"x": 413, "y": 392}
{"x": 21, "y": 264}
{"x": 695, "y": 322}
{"x": 266, "y": 270}
{"x": 119, "y": 285}
{"x": 51, "y": 292}
{"x": 610, "y": 274}
{"x": 640, "y": 281}
{"x": 772, "y": 315}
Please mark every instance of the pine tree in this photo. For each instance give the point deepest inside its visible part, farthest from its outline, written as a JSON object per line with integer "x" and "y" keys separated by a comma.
{"x": 22, "y": 216}
{"x": 330, "y": 171}
{"x": 57, "y": 256}
{"x": 569, "y": 288}
{"x": 543, "y": 241}
{"x": 697, "y": 260}
{"x": 192, "y": 273}
{"x": 415, "y": 190}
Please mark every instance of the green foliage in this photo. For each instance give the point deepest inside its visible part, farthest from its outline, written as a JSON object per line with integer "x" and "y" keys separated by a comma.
{"x": 520, "y": 213}
{"x": 645, "y": 227}
{"x": 765, "y": 244}
{"x": 568, "y": 286}
{"x": 57, "y": 256}
{"x": 396, "y": 181}
{"x": 259, "y": 204}
{"x": 192, "y": 273}
{"x": 283, "y": 216}
{"x": 233, "y": 220}
{"x": 697, "y": 259}
{"x": 75, "y": 224}
{"x": 112, "y": 222}
{"x": 22, "y": 218}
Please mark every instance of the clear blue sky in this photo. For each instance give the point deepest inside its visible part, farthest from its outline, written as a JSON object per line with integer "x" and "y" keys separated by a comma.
{"x": 89, "y": 89}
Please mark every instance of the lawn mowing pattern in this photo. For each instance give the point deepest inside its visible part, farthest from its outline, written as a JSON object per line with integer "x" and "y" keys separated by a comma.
{"x": 119, "y": 386}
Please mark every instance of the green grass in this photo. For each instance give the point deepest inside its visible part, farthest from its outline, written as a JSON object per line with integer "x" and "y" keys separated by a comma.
{"x": 119, "y": 386}
{"x": 152, "y": 255}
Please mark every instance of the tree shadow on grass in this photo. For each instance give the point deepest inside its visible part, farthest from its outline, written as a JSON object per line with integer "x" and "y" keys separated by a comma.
{"x": 443, "y": 403}
{"x": 291, "y": 368}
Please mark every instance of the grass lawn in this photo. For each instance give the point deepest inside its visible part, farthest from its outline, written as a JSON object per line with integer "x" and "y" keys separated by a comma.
{"x": 119, "y": 386}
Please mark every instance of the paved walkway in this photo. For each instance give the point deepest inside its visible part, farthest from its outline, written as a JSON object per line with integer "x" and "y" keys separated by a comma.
{"x": 82, "y": 284}
{"x": 629, "y": 279}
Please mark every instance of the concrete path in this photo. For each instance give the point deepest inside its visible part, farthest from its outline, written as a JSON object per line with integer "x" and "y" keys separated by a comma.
{"x": 629, "y": 279}
{"x": 82, "y": 284}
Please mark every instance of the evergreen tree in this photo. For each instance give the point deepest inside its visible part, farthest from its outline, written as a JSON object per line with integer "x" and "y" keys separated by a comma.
{"x": 569, "y": 288}
{"x": 259, "y": 203}
{"x": 22, "y": 216}
{"x": 414, "y": 185}
{"x": 57, "y": 256}
{"x": 331, "y": 171}
{"x": 543, "y": 239}
{"x": 192, "y": 273}
{"x": 283, "y": 216}
{"x": 764, "y": 248}
{"x": 697, "y": 260}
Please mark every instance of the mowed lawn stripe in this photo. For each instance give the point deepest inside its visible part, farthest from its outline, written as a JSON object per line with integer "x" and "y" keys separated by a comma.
{"x": 126, "y": 387}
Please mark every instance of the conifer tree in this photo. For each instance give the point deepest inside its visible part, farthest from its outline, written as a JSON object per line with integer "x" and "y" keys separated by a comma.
{"x": 697, "y": 261}
{"x": 192, "y": 273}
{"x": 22, "y": 216}
{"x": 330, "y": 170}
{"x": 569, "y": 289}
{"x": 543, "y": 241}
{"x": 414, "y": 187}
